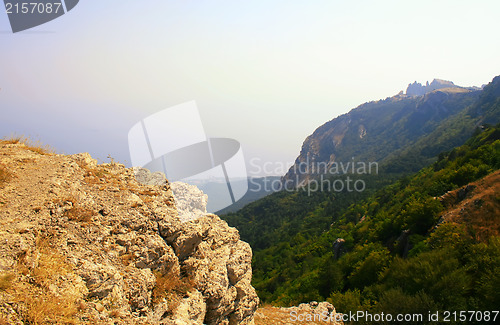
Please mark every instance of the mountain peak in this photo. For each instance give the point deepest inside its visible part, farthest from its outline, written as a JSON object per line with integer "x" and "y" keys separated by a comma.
{"x": 416, "y": 88}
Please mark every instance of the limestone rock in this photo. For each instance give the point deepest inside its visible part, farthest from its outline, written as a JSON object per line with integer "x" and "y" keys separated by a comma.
{"x": 93, "y": 245}
{"x": 191, "y": 309}
{"x": 416, "y": 89}
{"x": 191, "y": 202}
{"x": 316, "y": 309}
{"x": 307, "y": 313}
{"x": 144, "y": 176}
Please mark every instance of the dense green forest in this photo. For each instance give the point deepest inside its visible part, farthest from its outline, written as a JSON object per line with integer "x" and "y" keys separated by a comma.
{"x": 275, "y": 219}
{"x": 387, "y": 248}
{"x": 378, "y": 268}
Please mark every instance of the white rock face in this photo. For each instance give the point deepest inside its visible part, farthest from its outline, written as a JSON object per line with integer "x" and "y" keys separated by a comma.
{"x": 190, "y": 201}
{"x": 315, "y": 310}
{"x": 144, "y": 176}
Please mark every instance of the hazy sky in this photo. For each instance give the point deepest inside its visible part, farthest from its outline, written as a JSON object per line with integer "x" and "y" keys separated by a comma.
{"x": 266, "y": 73}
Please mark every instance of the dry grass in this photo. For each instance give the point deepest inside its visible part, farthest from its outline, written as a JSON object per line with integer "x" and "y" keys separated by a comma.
{"x": 45, "y": 308}
{"x": 267, "y": 314}
{"x": 76, "y": 212}
{"x": 5, "y": 175}
{"x": 79, "y": 214}
{"x": 6, "y": 281}
{"x": 453, "y": 90}
{"x": 50, "y": 263}
{"x": 172, "y": 288}
{"x": 37, "y": 303}
{"x": 126, "y": 259}
{"x": 95, "y": 176}
{"x": 33, "y": 145}
{"x": 115, "y": 313}
{"x": 479, "y": 212}
{"x": 100, "y": 176}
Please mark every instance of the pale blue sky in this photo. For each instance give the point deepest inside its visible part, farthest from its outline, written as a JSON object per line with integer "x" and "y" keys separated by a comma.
{"x": 266, "y": 73}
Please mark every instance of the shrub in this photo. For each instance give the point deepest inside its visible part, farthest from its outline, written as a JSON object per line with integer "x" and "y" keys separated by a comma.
{"x": 395, "y": 301}
{"x": 171, "y": 287}
{"x": 33, "y": 145}
{"x": 349, "y": 301}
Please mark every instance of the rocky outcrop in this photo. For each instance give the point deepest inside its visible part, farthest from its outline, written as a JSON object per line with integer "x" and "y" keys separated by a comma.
{"x": 416, "y": 89}
{"x": 88, "y": 243}
{"x": 146, "y": 177}
{"x": 307, "y": 313}
{"x": 190, "y": 201}
{"x": 475, "y": 206}
{"x": 392, "y": 130}
{"x": 338, "y": 247}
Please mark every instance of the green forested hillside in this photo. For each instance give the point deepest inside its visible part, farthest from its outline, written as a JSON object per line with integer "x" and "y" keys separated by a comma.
{"x": 393, "y": 256}
{"x": 368, "y": 249}
{"x": 280, "y": 216}
{"x": 385, "y": 129}
{"x": 402, "y": 133}
{"x": 449, "y": 133}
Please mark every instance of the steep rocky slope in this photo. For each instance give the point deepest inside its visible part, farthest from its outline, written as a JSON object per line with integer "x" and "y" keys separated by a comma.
{"x": 86, "y": 243}
{"x": 402, "y": 133}
{"x": 476, "y": 206}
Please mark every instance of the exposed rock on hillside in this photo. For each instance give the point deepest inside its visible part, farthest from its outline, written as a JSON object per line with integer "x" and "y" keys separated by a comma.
{"x": 308, "y": 313}
{"x": 475, "y": 205}
{"x": 86, "y": 243}
{"x": 401, "y": 133}
{"x": 190, "y": 201}
{"x": 416, "y": 89}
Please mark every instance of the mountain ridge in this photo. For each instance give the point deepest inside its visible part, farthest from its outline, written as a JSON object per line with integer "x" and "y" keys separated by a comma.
{"x": 374, "y": 131}
{"x": 339, "y": 245}
{"x": 416, "y": 88}
{"x": 379, "y": 253}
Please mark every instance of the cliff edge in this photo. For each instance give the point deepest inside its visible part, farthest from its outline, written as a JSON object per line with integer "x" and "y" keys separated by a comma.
{"x": 86, "y": 243}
